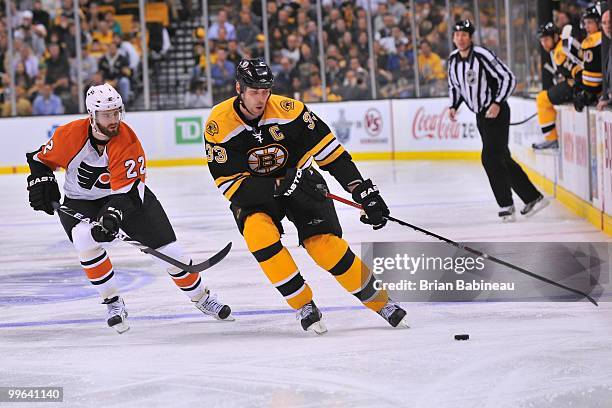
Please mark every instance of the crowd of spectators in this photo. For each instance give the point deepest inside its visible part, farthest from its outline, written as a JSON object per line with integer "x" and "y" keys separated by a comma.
{"x": 44, "y": 52}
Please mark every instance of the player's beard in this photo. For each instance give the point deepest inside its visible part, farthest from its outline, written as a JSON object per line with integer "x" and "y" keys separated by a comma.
{"x": 106, "y": 131}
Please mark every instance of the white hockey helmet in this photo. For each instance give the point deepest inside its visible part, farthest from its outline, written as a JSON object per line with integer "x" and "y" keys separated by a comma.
{"x": 102, "y": 98}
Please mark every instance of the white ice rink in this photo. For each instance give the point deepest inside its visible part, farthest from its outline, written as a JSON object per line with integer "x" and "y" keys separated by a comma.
{"x": 53, "y": 330}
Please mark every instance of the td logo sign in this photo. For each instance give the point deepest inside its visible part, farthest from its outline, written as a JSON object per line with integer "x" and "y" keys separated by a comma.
{"x": 188, "y": 130}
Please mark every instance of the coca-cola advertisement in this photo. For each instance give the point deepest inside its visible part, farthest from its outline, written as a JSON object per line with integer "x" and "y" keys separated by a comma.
{"x": 427, "y": 127}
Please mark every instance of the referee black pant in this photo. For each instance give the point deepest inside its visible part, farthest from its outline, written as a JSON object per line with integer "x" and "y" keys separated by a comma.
{"x": 504, "y": 173}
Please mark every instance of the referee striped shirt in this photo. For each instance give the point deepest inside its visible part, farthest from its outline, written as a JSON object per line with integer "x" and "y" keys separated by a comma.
{"x": 478, "y": 80}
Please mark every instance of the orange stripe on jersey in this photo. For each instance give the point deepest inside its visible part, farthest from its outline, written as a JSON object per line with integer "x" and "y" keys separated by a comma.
{"x": 126, "y": 158}
{"x": 67, "y": 142}
{"x": 99, "y": 271}
{"x": 186, "y": 281}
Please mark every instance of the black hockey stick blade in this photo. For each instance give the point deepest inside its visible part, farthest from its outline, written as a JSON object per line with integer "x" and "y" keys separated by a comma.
{"x": 202, "y": 266}
{"x": 472, "y": 250}
{"x": 191, "y": 268}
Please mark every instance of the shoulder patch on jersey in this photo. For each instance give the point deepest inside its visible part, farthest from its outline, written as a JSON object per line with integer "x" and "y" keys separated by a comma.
{"x": 592, "y": 40}
{"x": 281, "y": 109}
{"x": 287, "y": 104}
{"x": 223, "y": 123}
{"x": 212, "y": 128}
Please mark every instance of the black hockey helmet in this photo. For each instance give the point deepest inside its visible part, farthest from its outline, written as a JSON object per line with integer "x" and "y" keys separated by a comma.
{"x": 592, "y": 12}
{"x": 465, "y": 26}
{"x": 254, "y": 73}
{"x": 547, "y": 30}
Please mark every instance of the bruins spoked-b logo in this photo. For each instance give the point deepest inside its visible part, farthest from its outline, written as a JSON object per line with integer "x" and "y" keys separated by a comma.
{"x": 212, "y": 128}
{"x": 267, "y": 159}
{"x": 89, "y": 176}
{"x": 470, "y": 77}
{"x": 287, "y": 105}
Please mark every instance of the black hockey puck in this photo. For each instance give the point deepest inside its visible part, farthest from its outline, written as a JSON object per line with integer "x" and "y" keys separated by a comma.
{"x": 462, "y": 336}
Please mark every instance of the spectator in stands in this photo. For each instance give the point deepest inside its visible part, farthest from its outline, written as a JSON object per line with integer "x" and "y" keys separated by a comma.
{"x": 246, "y": 31}
{"x": 24, "y": 106}
{"x": 21, "y": 76}
{"x": 213, "y": 31}
{"x": 71, "y": 104}
{"x": 333, "y": 74}
{"x": 40, "y": 15}
{"x": 103, "y": 34}
{"x": 47, "y": 103}
{"x": 57, "y": 69}
{"x": 284, "y": 23}
{"x": 96, "y": 49}
{"x": 127, "y": 50}
{"x": 116, "y": 70}
{"x": 353, "y": 88}
{"x": 197, "y": 96}
{"x": 397, "y": 8}
{"x": 92, "y": 15}
{"x": 431, "y": 72}
{"x": 223, "y": 75}
{"x": 378, "y": 21}
{"x": 89, "y": 66}
{"x": 109, "y": 17}
{"x": 29, "y": 61}
{"x": 233, "y": 52}
{"x": 292, "y": 50}
{"x": 392, "y": 42}
{"x": 283, "y": 77}
{"x": 30, "y": 35}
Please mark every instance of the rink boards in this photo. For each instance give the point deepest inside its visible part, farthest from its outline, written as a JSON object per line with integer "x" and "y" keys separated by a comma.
{"x": 580, "y": 176}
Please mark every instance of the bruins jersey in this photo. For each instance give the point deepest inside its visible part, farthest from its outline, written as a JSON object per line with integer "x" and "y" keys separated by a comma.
{"x": 565, "y": 58}
{"x": 89, "y": 174}
{"x": 246, "y": 157}
{"x": 592, "y": 75}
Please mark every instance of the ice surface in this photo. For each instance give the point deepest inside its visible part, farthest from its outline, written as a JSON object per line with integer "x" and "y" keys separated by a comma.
{"x": 52, "y": 329}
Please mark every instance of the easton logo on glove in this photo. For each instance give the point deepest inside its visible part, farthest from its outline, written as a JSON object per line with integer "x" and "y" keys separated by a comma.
{"x": 294, "y": 184}
{"x": 41, "y": 180}
{"x": 368, "y": 191}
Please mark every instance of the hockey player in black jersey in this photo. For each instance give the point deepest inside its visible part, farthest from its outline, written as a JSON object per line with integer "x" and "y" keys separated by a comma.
{"x": 260, "y": 149}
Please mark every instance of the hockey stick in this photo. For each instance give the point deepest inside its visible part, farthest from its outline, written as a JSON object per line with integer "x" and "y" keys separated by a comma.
{"x": 191, "y": 268}
{"x": 472, "y": 250}
{"x": 524, "y": 120}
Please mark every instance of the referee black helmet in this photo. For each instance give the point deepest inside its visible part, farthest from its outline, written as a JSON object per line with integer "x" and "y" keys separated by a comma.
{"x": 465, "y": 26}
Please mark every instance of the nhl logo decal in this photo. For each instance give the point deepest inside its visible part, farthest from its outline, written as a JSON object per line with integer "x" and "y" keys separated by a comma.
{"x": 212, "y": 128}
{"x": 470, "y": 76}
{"x": 287, "y": 105}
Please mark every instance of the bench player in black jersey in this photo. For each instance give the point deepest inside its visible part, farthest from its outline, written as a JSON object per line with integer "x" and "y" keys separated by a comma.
{"x": 260, "y": 149}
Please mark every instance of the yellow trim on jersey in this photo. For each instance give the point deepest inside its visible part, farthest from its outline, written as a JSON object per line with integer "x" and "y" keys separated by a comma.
{"x": 316, "y": 150}
{"x": 339, "y": 150}
{"x": 221, "y": 180}
{"x": 222, "y": 122}
{"x": 559, "y": 54}
{"x": 592, "y": 40}
{"x": 232, "y": 190}
{"x": 282, "y": 108}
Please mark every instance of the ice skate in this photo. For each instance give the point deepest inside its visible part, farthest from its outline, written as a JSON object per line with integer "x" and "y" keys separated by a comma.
{"x": 507, "y": 214}
{"x": 117, "y": 314}
{"x": 549, "y": 144}
{"x": 395, "y": 315}
{"x": 210, "y": 305}
{"x": 311, "y": 318}
{"x": 535, "y": 206}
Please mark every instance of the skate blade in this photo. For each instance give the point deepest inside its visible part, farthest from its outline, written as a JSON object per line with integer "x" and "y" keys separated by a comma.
{"x": 508, "y": 218}
{"x": 403, "y": 324}
{"x": 318, "y": 327}
{"x": 121, "y": 327}
{"x": 229, "y": 318}
{"x": 538, "y": 207}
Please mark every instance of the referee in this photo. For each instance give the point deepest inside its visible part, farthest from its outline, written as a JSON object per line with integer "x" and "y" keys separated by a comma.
{"x": 477, "y": 77}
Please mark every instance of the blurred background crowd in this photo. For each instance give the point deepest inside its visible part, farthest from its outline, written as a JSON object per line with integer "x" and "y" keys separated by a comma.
{"x": 344, "y": 50}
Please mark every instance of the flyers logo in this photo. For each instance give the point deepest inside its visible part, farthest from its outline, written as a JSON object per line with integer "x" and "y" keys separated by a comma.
{"x": 267, "y": 159}
{"x": 89, "y": 176}
{"x": 212, "y": 128}
{"x": 287, "y": 105}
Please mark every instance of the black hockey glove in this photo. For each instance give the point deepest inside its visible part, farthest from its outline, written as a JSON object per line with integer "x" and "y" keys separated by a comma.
{"x": 110, "y": 221}
{"x": 306, "y": 186}
{"x": 373, "y": 205}
{"x": 43, "y": 190}
{"x": 580, "y": 100}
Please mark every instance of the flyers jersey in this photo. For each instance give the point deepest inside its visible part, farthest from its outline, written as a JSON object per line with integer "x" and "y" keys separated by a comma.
{"x": 90, "y": 175}
{"x": 246, "y": 158}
